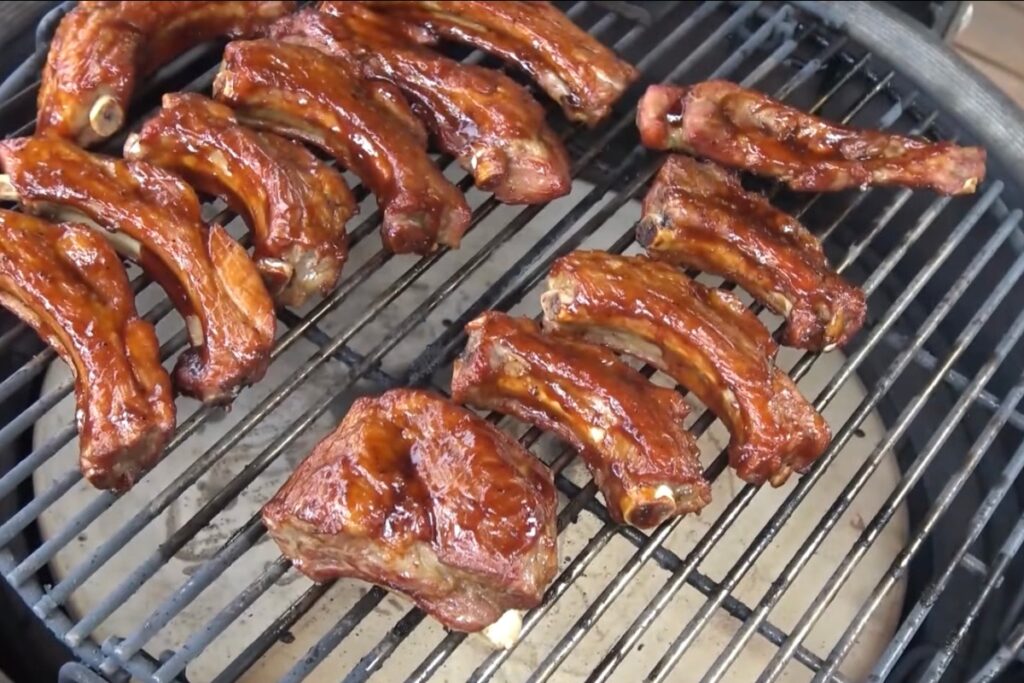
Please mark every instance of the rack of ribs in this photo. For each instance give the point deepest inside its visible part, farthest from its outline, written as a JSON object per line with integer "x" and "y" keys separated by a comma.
{"x": 629, "y": 431}
{"x": 420, "y": 495}
{"x": 153, "y": 218}
{"x": 579, "y": 73}
{"x": 481, "y": 117}
{"x": 703, "y": 338}
{"x": 697, "y": 214}
{"x": 299, "y": 92}
{"x": 747, "y": 130}
{"x": 295, "y": 204}
{"x": 68, "y": 284}
{"x": 101, "y": 49}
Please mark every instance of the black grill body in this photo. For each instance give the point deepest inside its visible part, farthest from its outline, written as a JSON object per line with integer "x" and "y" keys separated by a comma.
{"x": 940, "y": 360}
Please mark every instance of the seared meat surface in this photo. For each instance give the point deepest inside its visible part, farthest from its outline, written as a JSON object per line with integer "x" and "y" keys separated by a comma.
{"x": 481, "y": 117}
{"x": 295, "y": 204}
{"x": 697, "y": 214}
{"x": 420, "y": 495}
{"x": 154, "y": 218}
{"x": 100, "y": 50}
{"x": 629, "y": 431}
{"x": 68, "y": 284}
{"x": 745, "y": 129}
{"x": 300, "y": 92}
{"x": 703, "y": 338}
{"x": 579, "y": 73}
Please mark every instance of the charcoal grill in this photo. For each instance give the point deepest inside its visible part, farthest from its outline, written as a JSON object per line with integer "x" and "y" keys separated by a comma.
{"x": 937, "y": 369}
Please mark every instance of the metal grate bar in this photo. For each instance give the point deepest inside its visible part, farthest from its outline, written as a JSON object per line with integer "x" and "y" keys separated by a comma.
{"x": 669, "y": 561}
{"x": 772, "y": 527}
{"x": 955, "y": 379}
{"x": 1007, "y": 652}
{"x": 235, "y": 547}
{"x": 1007, "y": 552}
{"x": 910, "y": 477}
{"x": 931, "y": 594}
{"x": 974, "y": 456}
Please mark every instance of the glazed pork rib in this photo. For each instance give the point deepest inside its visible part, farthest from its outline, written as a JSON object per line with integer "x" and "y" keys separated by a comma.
{"x": 697, "y": 214}
{"x": 295, "y": 204}
{"x": 420, "y": 495}
{"x": 579, "y": 73}
{"x": 629, "y": 431}
{"x": 747, "y": 130}
{"x": 68, "y": 284}
{"x": 481, "y": 117}
{"x": 703, "y": 338}
{"x": 101, "y": 49}
{"x": 299, "y": 92}
{"x": 154, "y": 218}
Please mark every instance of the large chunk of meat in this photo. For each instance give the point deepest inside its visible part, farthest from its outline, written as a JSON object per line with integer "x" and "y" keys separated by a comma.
{"x": 748, "y": 130}
{"x": 705, "y": 339}
{"x": 295, "y": 204}
{"x": 154, "y": 218}
{"x": 67, "y": 283}
{"x": 629, "y": 431}
{"x": 101, "y": 49}
{"x": 573, "y": 68}
{"x": 420, "y": 495}
{"x": 300, "y": 92}
{"x": 481, "y": 117}
{"x": 697, "y": 214}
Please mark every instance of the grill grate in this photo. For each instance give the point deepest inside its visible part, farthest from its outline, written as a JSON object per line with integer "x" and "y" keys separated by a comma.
{"x": 898, "y": 245}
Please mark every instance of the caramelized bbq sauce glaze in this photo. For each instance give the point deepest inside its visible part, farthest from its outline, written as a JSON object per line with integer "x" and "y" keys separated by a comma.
{"x": 68, "y": 284}
{"x": 418, "y": 494}
{"x": 295, "y": 204}
{"x": 697, "y": 214}
{"x": 745, "y": 129}
{"x": 207, "y": 275}
{"x": 300, "y": 92}
{"x": 571, "y": 66}
{"x": 629, "y": 431}
{"x": 705, "y": 339}
{"x": 484, "y": 119}
{"x": 102, "y": 48}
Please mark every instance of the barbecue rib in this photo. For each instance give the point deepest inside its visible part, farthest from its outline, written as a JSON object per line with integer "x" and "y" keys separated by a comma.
{"x": 573, "y": 68}
{"x": 153, "y": 217}
{"x": 100, "y": 49}
{"x": 420, "y": 495}
{"x": 295, "y": 204}
{"x": 705, "y": 339}
{"x": 67, "y": 283}
{"x": 481, "y": 117}
{"x": 697, "y": 214}
{"x": 629, "y": 431}
{"x": 299, "y": 92}
{"x": 748, "y": 130}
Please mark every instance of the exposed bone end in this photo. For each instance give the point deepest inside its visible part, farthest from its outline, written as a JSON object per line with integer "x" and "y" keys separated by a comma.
{"x": 7, "y": 191}
{"x": 780, "y": 303}
{"x": 505, "y": 631}
{"x": 195, "y": 330}
{"x": 132, "y": 147}
{"x": 124, "y": 245}
{"x": 106, "y": 116}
